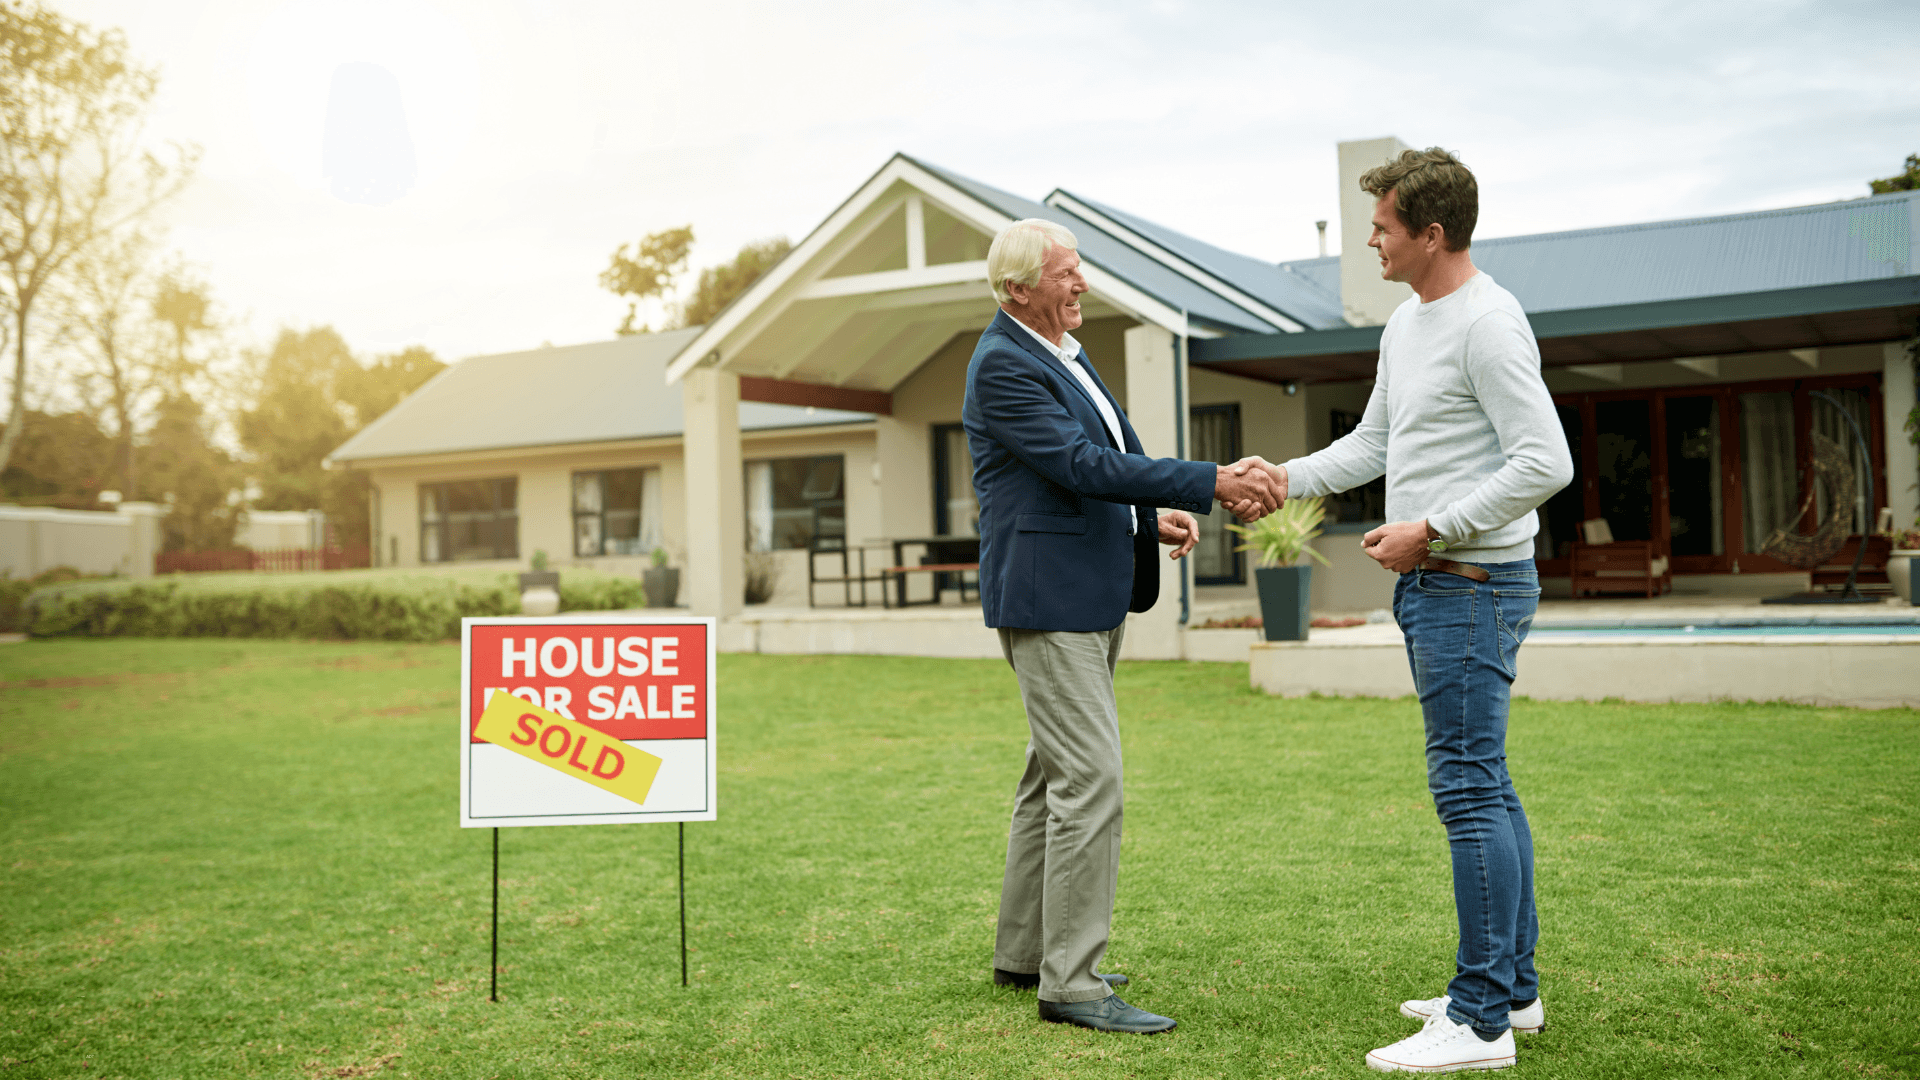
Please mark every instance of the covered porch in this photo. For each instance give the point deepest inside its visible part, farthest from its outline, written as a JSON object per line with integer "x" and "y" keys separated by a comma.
{"x": 877, "y": 311}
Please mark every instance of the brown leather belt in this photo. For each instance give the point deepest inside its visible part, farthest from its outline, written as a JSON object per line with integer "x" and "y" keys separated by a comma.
{"x": 1448, "y": 566}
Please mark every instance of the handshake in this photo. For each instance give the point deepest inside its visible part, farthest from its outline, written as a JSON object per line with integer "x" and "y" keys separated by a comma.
{"x": 1250, "y": 488}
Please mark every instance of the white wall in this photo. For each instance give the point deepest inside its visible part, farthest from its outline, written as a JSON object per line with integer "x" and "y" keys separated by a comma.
{"x": 272, "y": 530}
{"x": 123, "y": 541}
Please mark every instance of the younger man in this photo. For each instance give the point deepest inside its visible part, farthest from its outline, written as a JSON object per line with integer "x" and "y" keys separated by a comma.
{"x": 1465, "y": 431}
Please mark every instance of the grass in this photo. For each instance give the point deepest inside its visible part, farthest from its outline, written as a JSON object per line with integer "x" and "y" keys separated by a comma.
{"x": 239, "y": 858}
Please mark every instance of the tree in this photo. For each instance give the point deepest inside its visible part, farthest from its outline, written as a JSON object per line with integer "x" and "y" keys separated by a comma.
{"x": 295, "y": 420}
{"x": 106, "y": 320}
{"x": 370, "y": 391}
{"x": 718, "y": 285}
{"x": 185, "y": 305}
{"x": 309, "y": 396}
{"x": 648, "y": 273}
{"x": 63, "y": 459}
{"x": 1906, "y": 181}
{"x": 72, "y": 168}
{"x": 192, "y": 476}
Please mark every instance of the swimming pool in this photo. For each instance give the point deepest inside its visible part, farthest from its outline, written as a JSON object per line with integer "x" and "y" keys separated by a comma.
{"x": 1717, "y": 630}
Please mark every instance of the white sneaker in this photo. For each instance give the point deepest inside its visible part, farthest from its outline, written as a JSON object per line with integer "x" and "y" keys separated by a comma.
{"x": 1443, "y": 1046}
{"x": 1531, "y": 1020}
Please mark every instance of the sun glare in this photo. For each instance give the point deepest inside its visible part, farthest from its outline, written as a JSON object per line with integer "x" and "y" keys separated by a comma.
{"x": 368, "y": 100}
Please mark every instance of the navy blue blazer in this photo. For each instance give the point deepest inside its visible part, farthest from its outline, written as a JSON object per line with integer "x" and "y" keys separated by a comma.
{"x": 1055, "y": 493}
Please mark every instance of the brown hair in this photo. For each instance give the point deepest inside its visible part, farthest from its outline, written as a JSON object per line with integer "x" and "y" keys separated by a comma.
{"x": 1433, "y": 187}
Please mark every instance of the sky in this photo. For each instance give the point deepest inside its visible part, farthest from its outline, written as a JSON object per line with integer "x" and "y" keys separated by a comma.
{"x": 546, "y": 133}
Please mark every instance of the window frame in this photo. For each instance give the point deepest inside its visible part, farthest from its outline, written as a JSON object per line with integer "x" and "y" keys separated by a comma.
{"x": 639, "y": 510}
{"x": 510, "y": 518}
{"x": 1230, "y": 409}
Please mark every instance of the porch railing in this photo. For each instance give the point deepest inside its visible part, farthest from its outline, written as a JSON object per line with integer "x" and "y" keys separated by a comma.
{"x": 276, "y": 559}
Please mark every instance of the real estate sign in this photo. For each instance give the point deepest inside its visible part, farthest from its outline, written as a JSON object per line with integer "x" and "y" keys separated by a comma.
{"x": 586, "y": 721}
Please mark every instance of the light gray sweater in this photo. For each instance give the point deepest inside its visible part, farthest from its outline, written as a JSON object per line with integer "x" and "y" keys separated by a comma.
{"x": 1459, "y": 421}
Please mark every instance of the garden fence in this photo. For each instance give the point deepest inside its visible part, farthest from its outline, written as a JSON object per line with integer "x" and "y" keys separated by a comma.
{"x": 279, "y": 559}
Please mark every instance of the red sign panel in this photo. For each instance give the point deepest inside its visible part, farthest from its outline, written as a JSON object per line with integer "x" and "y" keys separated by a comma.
{"x": 629, "y": 680}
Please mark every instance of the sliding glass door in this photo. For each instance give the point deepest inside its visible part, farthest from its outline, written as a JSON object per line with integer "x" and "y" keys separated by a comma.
{"x": 1708, "y": 473}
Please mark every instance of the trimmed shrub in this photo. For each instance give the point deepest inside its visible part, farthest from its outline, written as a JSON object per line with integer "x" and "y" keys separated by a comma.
{"x": 378, "y": 605}
{"x": 13, "y": 594}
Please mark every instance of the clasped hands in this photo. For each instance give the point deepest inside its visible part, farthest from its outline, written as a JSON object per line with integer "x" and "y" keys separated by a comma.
{"x": 1399, "y": 546}
{"x": 1247, "y": 492}
{"x": 1251, "y": 488}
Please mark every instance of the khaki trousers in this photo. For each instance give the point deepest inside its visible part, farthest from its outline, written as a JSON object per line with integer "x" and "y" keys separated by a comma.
{"x": 1063, "y": 848}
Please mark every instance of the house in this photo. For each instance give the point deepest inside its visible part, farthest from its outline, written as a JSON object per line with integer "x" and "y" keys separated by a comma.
{"x": 825, "y": 401}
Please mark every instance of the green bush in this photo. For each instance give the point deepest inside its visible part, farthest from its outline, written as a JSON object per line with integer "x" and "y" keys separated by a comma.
{"x": 381, "y": 605}
{"x": 13, "y": 594}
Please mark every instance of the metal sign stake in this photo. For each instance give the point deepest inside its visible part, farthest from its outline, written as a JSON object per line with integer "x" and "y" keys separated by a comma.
{"x": 683, "y": 903}
{"x": 493, "y": 990}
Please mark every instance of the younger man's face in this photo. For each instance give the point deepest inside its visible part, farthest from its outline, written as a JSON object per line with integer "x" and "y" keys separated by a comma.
{"x": 1402, "y": 254}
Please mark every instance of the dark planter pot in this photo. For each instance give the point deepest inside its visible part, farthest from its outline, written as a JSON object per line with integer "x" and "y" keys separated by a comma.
{"x": 1283, "y": 601}
{"x": 662, "y": 584}
{"x": 549, "y": 578}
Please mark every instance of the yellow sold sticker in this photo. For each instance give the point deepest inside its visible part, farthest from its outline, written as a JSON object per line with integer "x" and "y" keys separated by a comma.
{"x": 568, "y": 746}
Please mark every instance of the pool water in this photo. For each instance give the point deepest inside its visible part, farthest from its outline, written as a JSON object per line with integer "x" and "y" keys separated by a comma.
{"x": 1835, "y": 629}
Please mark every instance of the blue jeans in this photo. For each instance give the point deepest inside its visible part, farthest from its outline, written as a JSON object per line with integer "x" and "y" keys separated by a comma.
{"x": 1462, "y": 640}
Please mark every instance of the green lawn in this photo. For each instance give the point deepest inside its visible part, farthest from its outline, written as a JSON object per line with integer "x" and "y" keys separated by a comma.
{"x": 240, "y": 858}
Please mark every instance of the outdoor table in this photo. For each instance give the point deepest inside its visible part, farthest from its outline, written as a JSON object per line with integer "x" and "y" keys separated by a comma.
{"x": 953, "y": 554}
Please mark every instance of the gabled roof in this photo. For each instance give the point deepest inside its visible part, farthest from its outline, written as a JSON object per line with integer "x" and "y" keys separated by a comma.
{"x": 1138, "y": 269}
{"x": 605, "y": 391}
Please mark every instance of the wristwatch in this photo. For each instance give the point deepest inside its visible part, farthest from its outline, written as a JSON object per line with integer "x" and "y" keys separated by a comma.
{"x": 1435, "y": 543}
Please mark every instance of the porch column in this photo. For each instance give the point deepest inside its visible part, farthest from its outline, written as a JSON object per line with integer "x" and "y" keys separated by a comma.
{"x": 1903, "y": 466}
{"x": 716, "y": 507}
{"x": 1156, "y": 407}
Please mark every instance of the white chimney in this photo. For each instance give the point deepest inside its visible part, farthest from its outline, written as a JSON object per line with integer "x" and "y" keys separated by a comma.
{"x": 1365, "y": 299}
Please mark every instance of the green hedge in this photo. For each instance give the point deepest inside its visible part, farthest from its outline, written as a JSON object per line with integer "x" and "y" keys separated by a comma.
{"x": 381, "y": 605}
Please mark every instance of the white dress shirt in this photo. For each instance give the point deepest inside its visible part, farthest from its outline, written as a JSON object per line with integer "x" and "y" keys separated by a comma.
{"x": 1068, "y": 353}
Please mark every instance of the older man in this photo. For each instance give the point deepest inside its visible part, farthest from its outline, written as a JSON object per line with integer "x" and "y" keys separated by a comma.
{"x": 1067, "y": 531}
{"x": 1465, "y": 431}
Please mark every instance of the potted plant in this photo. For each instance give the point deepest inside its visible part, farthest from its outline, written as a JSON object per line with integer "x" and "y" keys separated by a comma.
{"x": 540, "y": 589}
{"x": 661, "y": 581}
{"x": 1906, "y": 547}
{"x": 1277, "y": 541}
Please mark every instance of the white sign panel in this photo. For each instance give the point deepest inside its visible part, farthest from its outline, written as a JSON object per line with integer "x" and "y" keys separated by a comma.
{"x": 587, "y": 721}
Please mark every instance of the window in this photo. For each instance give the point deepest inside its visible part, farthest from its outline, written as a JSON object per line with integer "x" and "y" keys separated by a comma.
{"x": 796, "y": 503}
{"x": 1215, "y": 431}
{"x": 955, "y": 513}
{"x": 616, "y": 512}
{"x": 469, "y": 519}
{"x": 1368, "y": 502}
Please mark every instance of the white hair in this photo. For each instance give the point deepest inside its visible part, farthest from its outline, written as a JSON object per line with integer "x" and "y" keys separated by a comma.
{"x": 1020, "y": 251}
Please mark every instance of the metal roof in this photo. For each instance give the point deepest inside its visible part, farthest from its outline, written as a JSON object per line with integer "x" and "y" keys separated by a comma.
{"x": 1759, "y": 251}
{"x": 605, "y": 391}
{"x": 1814, "y": 316}
{"x": 1310, "y": 300}
{"x": 1139, "y": 270}
{"x": 1799, "y": 277}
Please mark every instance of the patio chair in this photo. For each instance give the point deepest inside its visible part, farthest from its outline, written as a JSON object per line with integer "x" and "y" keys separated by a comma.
{"x": 1600, "y": 564}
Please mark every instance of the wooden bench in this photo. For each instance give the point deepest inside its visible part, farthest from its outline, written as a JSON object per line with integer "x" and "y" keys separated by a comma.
{"x": 897, "y": 575}
{"x": 1832, "y": 574}
{"x": 1624, "y": 566}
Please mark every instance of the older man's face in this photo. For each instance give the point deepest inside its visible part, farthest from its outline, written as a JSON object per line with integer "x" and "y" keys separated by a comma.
{"x": 1053, "y": 305}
